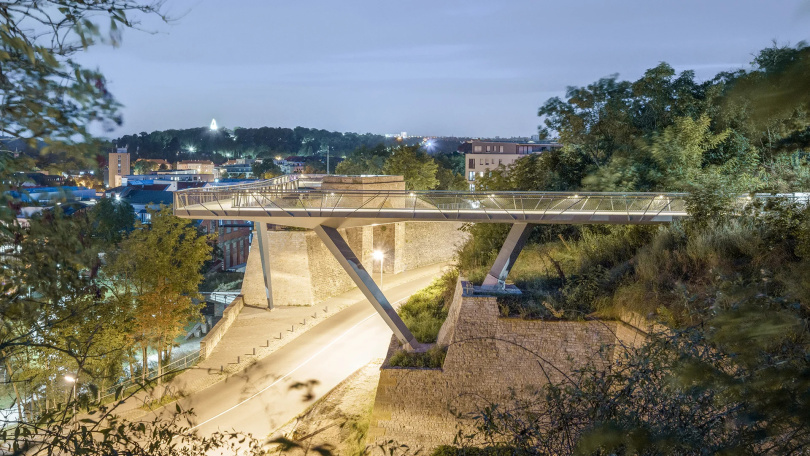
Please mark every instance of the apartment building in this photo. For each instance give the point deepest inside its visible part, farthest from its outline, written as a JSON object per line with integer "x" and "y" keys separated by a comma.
{"x": 233, "y": 239}
{"x": 484, "y": 156}
{"x": 198, "y": 166}
{"x": 117, "y": 167}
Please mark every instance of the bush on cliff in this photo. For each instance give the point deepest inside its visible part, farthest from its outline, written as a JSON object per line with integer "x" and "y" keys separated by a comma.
{"x": 433, "y": 358}
{"x": 427, "y": 309}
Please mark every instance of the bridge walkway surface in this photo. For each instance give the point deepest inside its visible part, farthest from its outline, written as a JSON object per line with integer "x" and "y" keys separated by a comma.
{"x": 255, "y": 327}
{"x": 347, "y": 208}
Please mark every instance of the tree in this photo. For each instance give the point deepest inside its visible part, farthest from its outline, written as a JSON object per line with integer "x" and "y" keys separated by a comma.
{"x": 364, "y": 160}
{"x": 111, "y": 219}
{"x": 449, "y": 180}
{"x": 265, "y": 169}
{"x": 411, "y": 162}
{"x": 160, "y": 266}
{"x": 144, "y": 166}
{"x": 54, "y": 315}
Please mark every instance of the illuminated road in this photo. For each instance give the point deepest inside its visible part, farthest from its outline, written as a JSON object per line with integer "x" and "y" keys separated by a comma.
{"x": 259, "y": 399}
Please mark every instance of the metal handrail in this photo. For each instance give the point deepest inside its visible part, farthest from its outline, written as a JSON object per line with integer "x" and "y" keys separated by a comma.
{"x": 514, "y": 205}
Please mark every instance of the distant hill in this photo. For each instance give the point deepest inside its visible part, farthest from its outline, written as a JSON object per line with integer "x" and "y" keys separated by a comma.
{"x": 219, "y": 145}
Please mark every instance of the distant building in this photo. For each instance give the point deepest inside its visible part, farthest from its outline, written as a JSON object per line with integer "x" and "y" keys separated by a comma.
{"x": 172, "y": 178}
{"x": 240, "y": 161}
{"x": 144, "y": 198}
{"x": 54, "y": 195}
{"x": 291, "y": 165}
{"x": 42, "y": 179}
{"x": 486, "y": 156}
{"x": 117, "y": 167}
{"x": 199, "y": 166}
{"x": 233, "y": 240}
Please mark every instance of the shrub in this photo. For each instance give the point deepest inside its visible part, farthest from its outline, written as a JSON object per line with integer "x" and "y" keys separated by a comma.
{"x": 447, "y": 450}
{"x": 431, "y": 359}
{"x": 427, "y": 309}
{"x": 222, "y": 281}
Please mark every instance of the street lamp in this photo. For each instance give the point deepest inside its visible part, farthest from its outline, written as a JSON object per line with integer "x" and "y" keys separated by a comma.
{"x": 378, "y": 255}
{"x": 74, "y": 380}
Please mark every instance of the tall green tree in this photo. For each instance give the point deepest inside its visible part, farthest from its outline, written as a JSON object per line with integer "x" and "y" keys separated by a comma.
{"x": 415, "y": 165}
{"x": 265, "y": 169}
{"x": 144, "y": 166}
{"x": 54, "y": 315}
{"x": 159, "y": 265}
{"x": 364, "y": 160}
{"x": 111, "y": 219}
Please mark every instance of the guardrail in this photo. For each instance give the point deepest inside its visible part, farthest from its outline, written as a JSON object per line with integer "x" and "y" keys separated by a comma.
{"x": 185, "y": 362}
{"x": 561, "y": 207}
{"x": 224, "y": 297}
{"x": 440, "y": 201}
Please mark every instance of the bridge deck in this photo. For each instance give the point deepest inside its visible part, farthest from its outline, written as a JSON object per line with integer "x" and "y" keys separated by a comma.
{"x": 309, "y": 208}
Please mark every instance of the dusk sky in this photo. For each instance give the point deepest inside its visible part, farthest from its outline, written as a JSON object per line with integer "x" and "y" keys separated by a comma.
{"x": 466, "y": 68}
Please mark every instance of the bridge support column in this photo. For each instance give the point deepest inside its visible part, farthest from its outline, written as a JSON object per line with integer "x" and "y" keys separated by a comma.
{"x": 264, "y": 252}
{"x": 496, "y": 278}
{"x": 338, "y": 246}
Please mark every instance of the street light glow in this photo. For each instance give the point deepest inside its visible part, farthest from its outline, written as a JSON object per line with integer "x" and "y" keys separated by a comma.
{"x": 70, "y": 379}
{"x": 378, "y": 255}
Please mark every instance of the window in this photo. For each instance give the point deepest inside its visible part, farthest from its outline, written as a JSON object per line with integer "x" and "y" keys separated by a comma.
{"x": 486, "y": 162}
{"x": 501, "y": 148}
{"x": 480, "y": 161}
{"x": 500, "y": 161}
{"x": 471, "y": 163}
{"x": 472, "y": 176}
{"x": 481, "y": 174}
{"x": 477, "y": 149}
{"x": 487, "y": 148}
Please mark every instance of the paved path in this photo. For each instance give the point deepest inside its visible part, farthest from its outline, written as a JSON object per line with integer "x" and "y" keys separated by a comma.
{"x": 255, "y": 327}
{"x": 263, "y": 397}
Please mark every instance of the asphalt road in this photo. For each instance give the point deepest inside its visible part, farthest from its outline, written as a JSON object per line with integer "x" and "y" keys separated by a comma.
{"x": 264, "y": 397}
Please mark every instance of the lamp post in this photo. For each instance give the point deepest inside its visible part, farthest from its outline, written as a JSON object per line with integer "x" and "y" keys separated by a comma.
{"x": 73, "y": 380}
{"x": 378, "y": 255}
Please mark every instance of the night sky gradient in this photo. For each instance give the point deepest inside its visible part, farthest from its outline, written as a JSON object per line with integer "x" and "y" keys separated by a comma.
{"x": 466, "y": 68}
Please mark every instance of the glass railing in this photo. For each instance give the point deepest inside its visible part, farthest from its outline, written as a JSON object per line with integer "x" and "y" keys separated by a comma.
{"x": 276, "y": 198}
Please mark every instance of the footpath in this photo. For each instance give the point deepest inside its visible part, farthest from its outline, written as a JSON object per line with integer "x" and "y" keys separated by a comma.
{"x": 256, "y": 333}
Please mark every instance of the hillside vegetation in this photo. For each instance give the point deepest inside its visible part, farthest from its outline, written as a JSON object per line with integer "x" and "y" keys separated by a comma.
{"x": 731, "y": 374}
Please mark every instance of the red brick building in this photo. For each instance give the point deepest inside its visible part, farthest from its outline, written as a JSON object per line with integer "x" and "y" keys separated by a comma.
{"x": 233, "y": 240}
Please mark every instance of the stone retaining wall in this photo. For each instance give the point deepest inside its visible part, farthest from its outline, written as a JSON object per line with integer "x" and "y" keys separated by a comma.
{"x": 304, "y": 272}
{"x": 488, "y": 358}
{"x": 210, "y": 341}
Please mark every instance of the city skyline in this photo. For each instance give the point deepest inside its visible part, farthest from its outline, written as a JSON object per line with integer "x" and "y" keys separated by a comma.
{"x": 455, "y": 69}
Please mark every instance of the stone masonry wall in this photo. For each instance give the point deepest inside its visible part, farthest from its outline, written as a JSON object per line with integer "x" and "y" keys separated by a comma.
{"x": 326, "y": 277}
{"x": 253, "y": 282}
{"x": 430, "y": 242}
{"x": 304, "y": 272}
{"x": 487, "y": 358}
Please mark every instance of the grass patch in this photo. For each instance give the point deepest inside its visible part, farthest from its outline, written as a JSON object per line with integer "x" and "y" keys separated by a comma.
{"x": 431, "y": 359}
{"x": 427, "y": 309}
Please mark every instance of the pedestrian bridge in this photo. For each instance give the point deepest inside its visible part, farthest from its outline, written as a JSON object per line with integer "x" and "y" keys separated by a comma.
{"x": 307, "y": 208}
{"x": 299, "y": 201}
